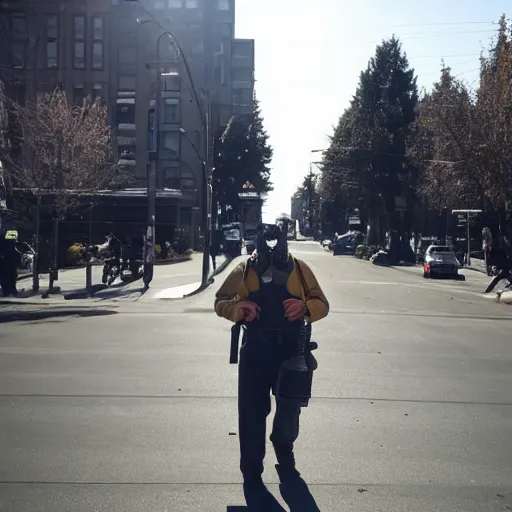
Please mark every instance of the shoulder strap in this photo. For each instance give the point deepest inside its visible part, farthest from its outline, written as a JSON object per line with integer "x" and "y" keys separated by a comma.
{"x": 246, "y": 269}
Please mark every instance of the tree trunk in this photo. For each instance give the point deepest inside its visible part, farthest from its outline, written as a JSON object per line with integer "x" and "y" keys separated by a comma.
{"x": 55, "y": 265}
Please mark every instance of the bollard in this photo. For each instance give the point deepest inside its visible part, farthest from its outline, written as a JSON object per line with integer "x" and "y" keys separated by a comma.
{"x": 88, "y": 278}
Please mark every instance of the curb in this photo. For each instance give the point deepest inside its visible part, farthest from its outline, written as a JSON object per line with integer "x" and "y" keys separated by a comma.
{"x": 475, "y": 270}
{"x": 54, "y": 312}
{"x": 158, "y": 263}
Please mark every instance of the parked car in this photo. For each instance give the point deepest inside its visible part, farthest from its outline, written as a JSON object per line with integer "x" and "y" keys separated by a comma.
{"x": 422, "y": 247}
{"x": 347, "y": 243}
{"x": 440, "y": 260}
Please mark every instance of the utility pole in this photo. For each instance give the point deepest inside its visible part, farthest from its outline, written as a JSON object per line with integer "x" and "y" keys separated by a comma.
{"x": 468, "y": 214}
{"x": 149, "y": 238}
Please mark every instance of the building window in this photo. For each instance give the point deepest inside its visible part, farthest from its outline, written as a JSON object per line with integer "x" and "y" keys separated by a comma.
{"x": 191, "y": 4}
{"x": 226, "y": 30}
{"x": 97, "y": 29}
{"x": 171, "y": 111}
{"x": 97, "y": 90}
{"x": 125, "y": 111}
{"x": 19, "y": 36}
{"x": 175, "y": 4}
{"x": 78, "y": 94}
{"x": 159, "y": 4}
{"x": 79, "y": 24}
{"x": 223, "y": 5}
{"x": 19, "y": 26}
{"x": 97, "y": 45}
{"x": 127, "y": 55}
{"x": 171, "y": 82}
{"x": 242, "y": 50}
{"x": 242, "y": 75}
{"x": 52, "y": 55}
{"x": 171, "y": 143}
{"x": 18, "y": 55}
{"x": 171, "y": 177}
{"x": 127, "y": 82}
{"x": 187, "y": 181}
{"x": 79, "y": 49}
{"x": 79, "y": 54}
{"x": 97, "y": 55}
{"x": 127, "y": 152}
{"x": 193, "y": 27}
{"x": 52, "y": 27}
{"x": 242, "y": 97}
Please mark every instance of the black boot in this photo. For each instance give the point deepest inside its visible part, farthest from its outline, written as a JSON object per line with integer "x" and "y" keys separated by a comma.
{"x": 258, "y": 497}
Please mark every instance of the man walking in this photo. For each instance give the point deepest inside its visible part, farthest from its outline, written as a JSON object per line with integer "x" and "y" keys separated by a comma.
{"x": 274, "y": 295}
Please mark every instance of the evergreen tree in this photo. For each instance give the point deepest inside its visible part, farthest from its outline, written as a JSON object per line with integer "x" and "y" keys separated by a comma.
{"x": 309, "y": 196}
{"x": 366, "y": 164}
{"x": 242, "y": 154}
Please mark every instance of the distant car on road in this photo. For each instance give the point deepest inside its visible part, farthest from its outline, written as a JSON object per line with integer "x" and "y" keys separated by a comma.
{"x": 440, "y": 260}
{"x": 347, "y": 243}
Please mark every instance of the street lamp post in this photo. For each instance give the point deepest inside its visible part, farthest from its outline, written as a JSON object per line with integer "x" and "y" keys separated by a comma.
{"x": 150, "y": 236}
{"x": 206, "y": 162}
{"x": 206, "y": 205}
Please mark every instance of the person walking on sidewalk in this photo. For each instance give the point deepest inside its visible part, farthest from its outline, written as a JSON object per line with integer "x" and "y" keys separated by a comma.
{"x": 215, "y": 247}
{"x": 274, "y": 295}
{"x": 10, "y": 259}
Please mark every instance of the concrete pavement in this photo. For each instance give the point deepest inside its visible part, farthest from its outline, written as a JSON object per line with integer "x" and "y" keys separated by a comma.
{"x": 167, "y": 277}
{"x": 136, "y": 411}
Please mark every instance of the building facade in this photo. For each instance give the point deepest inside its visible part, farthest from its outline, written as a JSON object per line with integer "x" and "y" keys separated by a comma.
{"x": 108, "y": 48}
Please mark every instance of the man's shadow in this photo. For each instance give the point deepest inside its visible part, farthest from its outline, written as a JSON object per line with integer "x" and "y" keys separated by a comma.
{"x": 296, "y": 495}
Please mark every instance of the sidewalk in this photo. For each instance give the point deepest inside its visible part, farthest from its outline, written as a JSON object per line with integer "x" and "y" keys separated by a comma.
{"x": 171, "y": 284}
{"x": 170, "y": 280}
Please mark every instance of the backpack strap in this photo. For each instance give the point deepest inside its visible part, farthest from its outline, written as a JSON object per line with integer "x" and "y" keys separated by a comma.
{"x": 246, "y": 269}
{"x": 302, "y": 281}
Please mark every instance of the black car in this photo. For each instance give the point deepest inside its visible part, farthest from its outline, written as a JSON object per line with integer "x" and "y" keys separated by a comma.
{"x": 347, "y": 243}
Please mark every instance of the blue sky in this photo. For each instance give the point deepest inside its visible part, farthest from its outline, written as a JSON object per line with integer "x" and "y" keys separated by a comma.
{"x": 309, "y": 54}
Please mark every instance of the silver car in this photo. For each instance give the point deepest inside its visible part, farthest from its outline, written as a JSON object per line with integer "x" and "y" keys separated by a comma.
{"x": 440, "y": 260}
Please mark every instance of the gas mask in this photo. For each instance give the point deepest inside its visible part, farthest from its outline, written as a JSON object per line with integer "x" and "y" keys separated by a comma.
{"x": 271, "y": 248}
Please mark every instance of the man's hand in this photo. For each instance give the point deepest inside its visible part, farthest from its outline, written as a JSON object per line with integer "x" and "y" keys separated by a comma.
{"x": 246, "y": 310}
{"x": 294, "y": 309}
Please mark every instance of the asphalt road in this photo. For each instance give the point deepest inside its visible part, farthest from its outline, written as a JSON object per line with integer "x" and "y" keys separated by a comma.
{"x": 136, "y": 411}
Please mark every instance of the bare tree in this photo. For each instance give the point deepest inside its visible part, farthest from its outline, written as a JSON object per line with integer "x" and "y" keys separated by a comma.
{"x": 69, "y": 148}
{"x": 67, "y": 153}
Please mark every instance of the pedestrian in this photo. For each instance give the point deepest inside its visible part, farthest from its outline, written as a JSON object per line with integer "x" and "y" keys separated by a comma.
{"x": 10, "y": 259}
{"x": 275, "y": 296}
{"x": 215, "y": 248}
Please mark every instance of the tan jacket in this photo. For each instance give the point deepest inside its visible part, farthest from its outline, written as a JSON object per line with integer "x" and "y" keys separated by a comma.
{"x": 235, "y": 288}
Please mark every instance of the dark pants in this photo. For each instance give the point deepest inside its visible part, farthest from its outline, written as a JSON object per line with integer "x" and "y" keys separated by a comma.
{"x": 8, "y": 277}
{"x": 260, "y": 361}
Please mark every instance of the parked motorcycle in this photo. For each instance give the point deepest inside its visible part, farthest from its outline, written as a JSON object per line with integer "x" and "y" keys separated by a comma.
{"x": 131, "y": 270}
